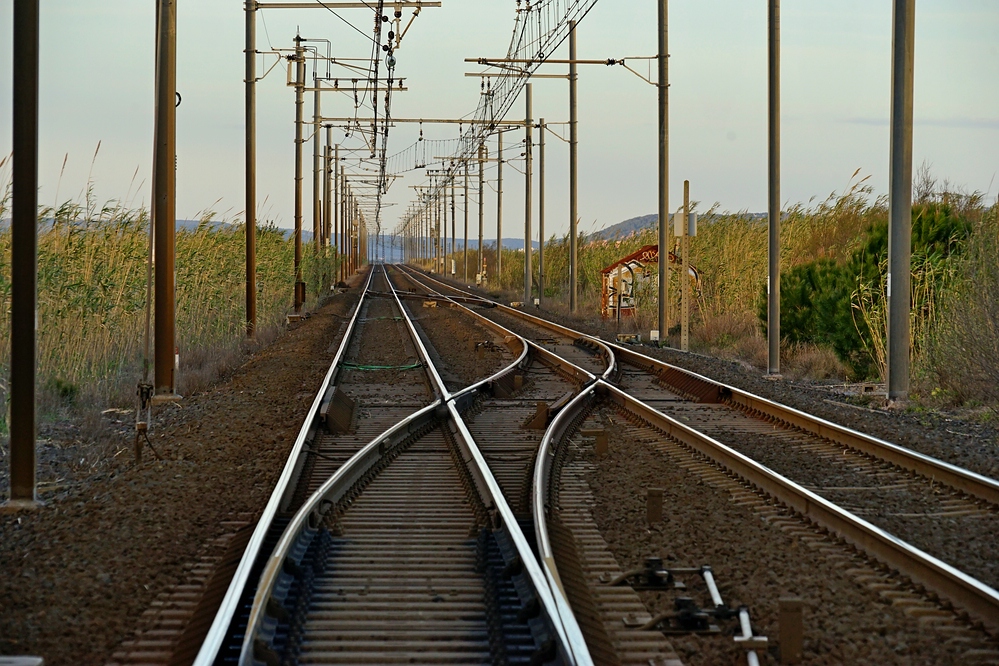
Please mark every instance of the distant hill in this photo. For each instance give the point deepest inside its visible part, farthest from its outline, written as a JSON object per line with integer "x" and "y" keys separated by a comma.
{"x": 635, "y": 224}
{"x": 627, "y": 228}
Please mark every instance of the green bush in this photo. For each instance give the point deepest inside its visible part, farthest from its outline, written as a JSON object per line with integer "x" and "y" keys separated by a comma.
{"x": 842, "y": 305}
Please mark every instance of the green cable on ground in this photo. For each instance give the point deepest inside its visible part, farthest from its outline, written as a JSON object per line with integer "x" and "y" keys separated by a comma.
{"x": 358, "y": 366}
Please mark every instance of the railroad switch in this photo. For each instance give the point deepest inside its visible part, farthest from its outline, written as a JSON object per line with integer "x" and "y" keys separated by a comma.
{"x": 688, "y": 617}
{"x": 652, "y": 576}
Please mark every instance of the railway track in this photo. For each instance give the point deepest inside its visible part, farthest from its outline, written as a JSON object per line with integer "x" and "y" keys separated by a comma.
{"x": 404, "y": 552}
{"x": 893, "y": 496}
{"x": 421, "y": 522}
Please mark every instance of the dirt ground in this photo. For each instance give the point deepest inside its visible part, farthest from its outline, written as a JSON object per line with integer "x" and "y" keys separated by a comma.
{"x": 79, "y": 572}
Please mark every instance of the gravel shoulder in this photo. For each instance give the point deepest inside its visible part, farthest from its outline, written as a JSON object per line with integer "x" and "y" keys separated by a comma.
{"x": 79, "y": 572}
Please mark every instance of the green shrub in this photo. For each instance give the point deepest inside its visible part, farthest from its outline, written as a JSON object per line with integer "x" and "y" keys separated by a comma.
{"x": 842, "y": 305}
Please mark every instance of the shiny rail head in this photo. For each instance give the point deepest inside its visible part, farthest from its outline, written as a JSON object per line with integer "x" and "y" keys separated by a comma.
{"x": 223, "y": 618}
{"x": 283, "y": 567}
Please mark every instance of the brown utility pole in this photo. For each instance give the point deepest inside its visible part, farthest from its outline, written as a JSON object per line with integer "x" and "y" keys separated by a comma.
{"x": 900, "y": 198}
{"x": 251, "y": 168}
{"x": 573, "y": 173}
{"x": 663, "y": 85}
{"x": 528, "y": 199}
{"x": 774, "y": 214}
{"x": 165, "y": 199}
{"x": 24, "y": 254}
{"x": 299, "y": 59}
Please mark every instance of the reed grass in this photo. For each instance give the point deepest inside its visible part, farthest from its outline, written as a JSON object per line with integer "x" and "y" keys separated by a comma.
{"x": 92, "y": 264}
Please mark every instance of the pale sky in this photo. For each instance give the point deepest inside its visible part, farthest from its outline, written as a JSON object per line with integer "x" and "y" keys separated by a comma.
{"x": 97, "y": 86}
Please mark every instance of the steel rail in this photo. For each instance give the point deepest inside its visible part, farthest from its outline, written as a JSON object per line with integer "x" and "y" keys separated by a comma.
{"x": 587, "y": 377}
{"x": 553, "y": 599}
{"x": 977, "y": 598}
{"x": 965, "y": 591}
{"x": 223, "y": 618}
{"x": 287, "y": 556}
{"x": 961, "y": 479}
{"x": 277, "y": 576}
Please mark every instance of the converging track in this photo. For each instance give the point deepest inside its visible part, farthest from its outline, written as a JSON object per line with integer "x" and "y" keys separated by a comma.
{"x": 877, "y": 496}
{"x": 406, "y": 552}
{"x": 420, "y": 520}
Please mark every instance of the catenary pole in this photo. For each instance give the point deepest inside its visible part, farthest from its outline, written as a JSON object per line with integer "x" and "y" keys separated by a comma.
{"x": 165, "y": 199}
{"x": 499, "y": 208}
{"x": 541, "y": 210}
{"x": 663, "y": 86}
{"x": 327, "y": 173}
{"x": 482, "y": 199}
{"x": 573, "y": 162}
{"x": 453, "y": 223}
{"x": 528, "y": 199}
{"x": 900, "y": 198}
{"x": 774, "y": 213}
{"x": 465, "y": 246}
{"x": 299, "y": 107}
{"x": 251, "y": 167}
{"x": 24, "y": 253}
{"x": 317, "y": 167}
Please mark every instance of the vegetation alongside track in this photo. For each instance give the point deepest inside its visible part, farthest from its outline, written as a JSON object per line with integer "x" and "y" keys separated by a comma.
{"x": 834, "y": 256}
{"x": 92, "y": 263}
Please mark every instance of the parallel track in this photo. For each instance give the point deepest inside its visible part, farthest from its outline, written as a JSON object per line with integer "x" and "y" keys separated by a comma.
{"x": 699, "y": 412}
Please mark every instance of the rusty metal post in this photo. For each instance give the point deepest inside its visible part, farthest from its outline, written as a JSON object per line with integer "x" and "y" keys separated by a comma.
{"x": 573, "y": 172}
{"x": 299, "y": 107}
{"x": 663, "y": 88}
{"x": 499, "y": 208}
{"x": 528, "y": 199}
{"x": 24, "y": 253}
{"x": 317, "y": 168}
{"x": 165, "y": 198}
{"x": 251, "y": 167}
{"x": 541, "y": 210}
{"x": 900, "y": 199}
{"x": 773, "y": 275}
{"x": 465, "y": 246}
